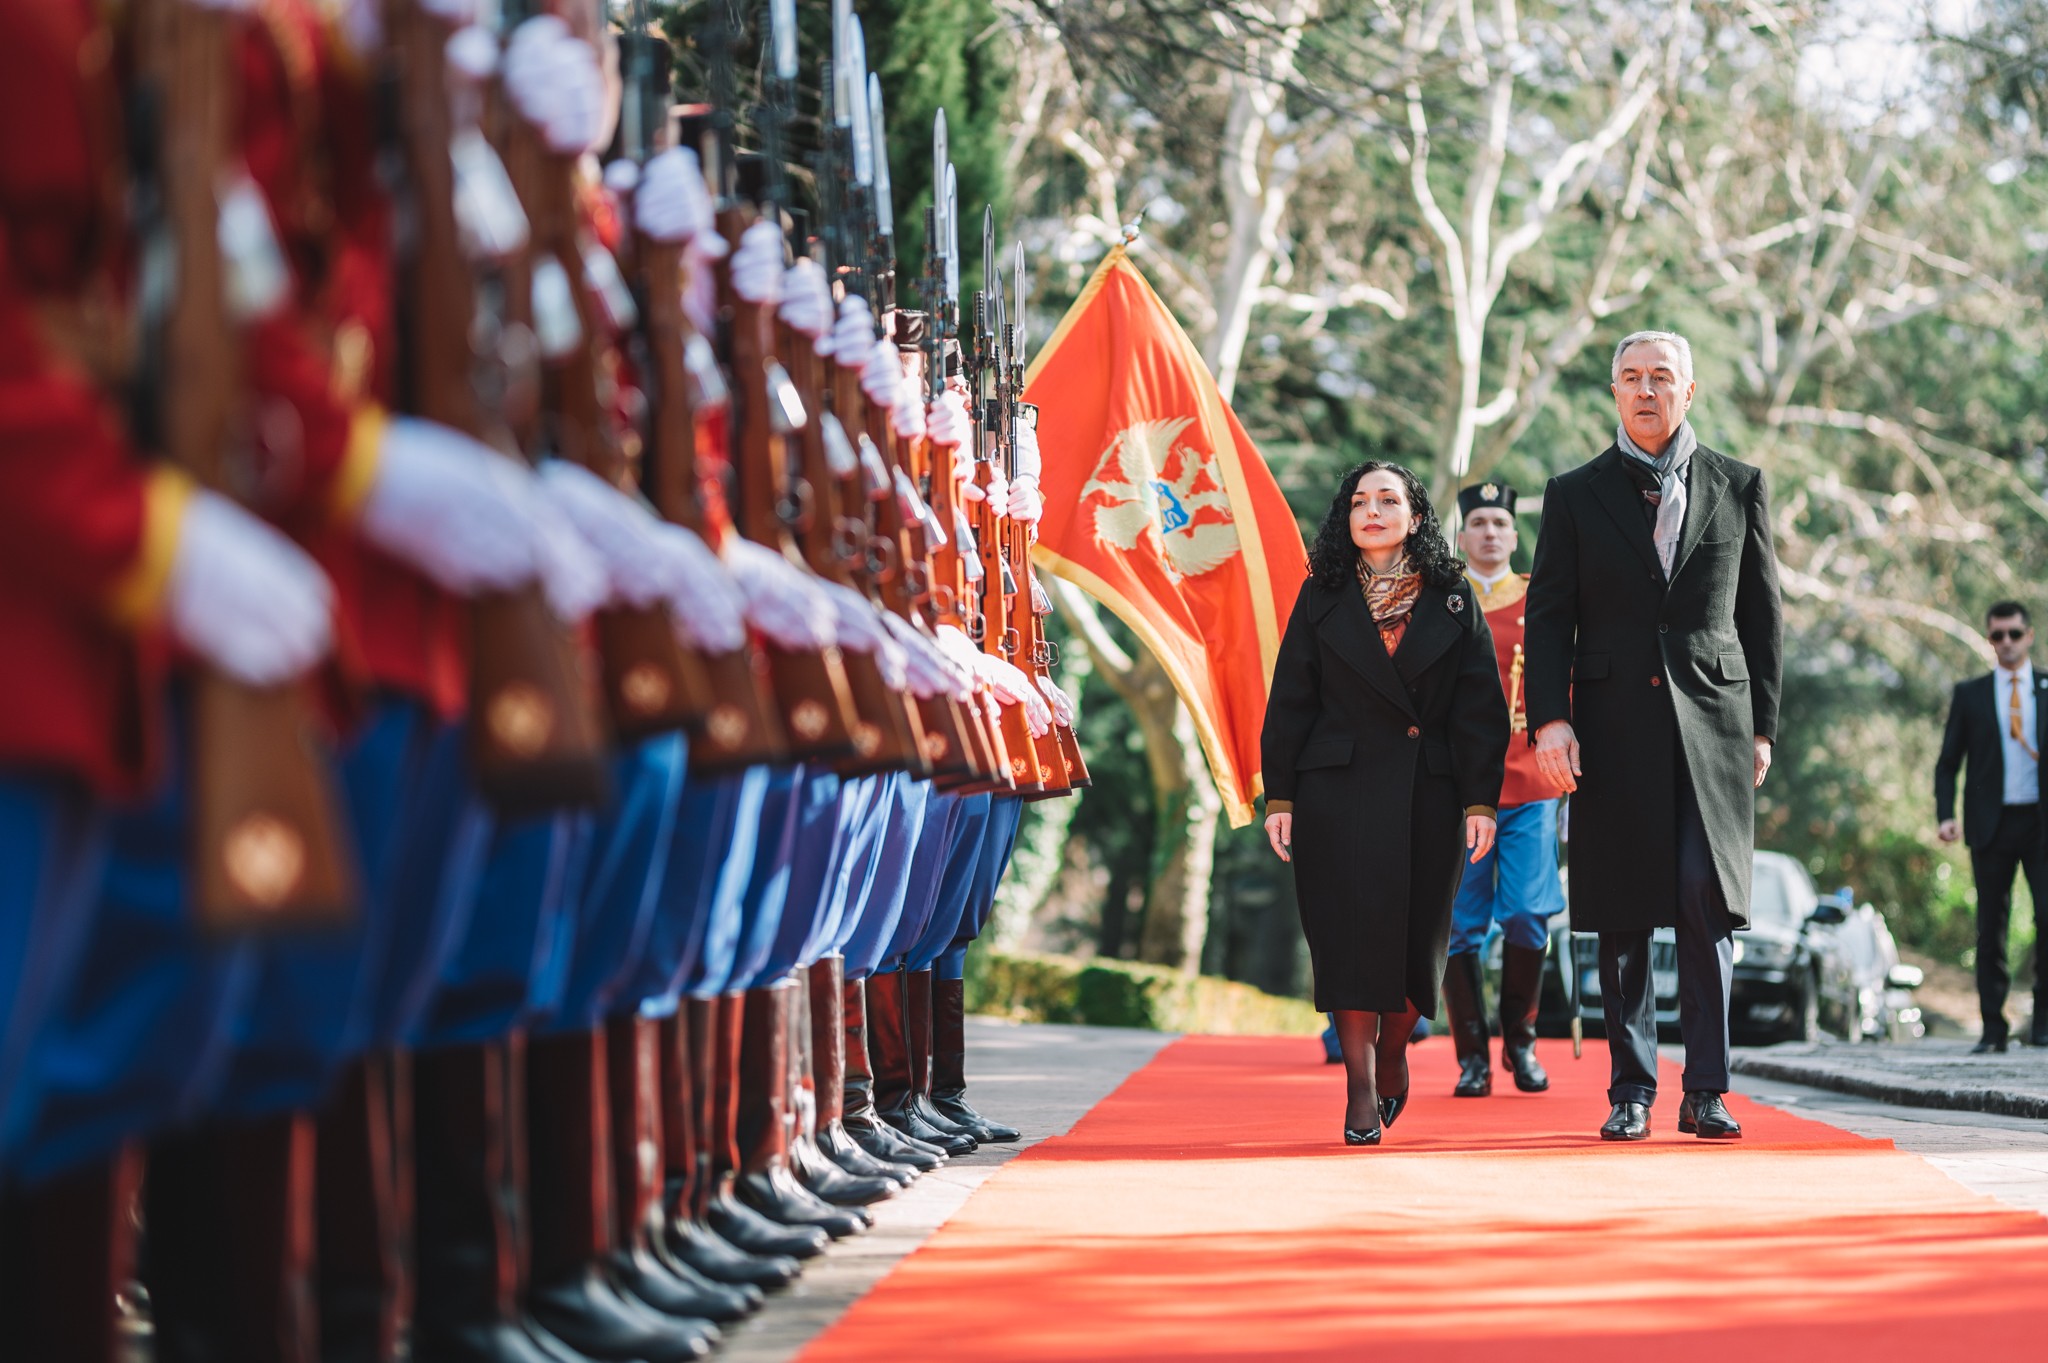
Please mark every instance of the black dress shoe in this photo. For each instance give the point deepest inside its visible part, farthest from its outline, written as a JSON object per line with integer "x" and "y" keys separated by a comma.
{"x": 1989, "y": 1046}
{"x": 1706, "y": 1116}
{"x": 1628, "y": 1122}
{"x": 1354, "y": 1136}
{"x": 1390, "y": 1108}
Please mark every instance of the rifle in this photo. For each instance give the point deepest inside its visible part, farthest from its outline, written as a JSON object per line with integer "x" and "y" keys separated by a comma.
{"x": 812, "y": 687}
{"x": 954, "y": 746}
{"x": 986, "y": 381}
{"x": 1059, "y": 752}
{"x": 683, "y": 464}
{"x": 266, "y": 822}
{"x": 534, "y": 736}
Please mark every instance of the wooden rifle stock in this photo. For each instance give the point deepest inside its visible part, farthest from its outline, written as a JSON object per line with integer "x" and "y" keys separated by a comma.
{"x": 817, "y": 702}
{"x": 997, "y": 631}
{"x": 652, "y": 684}
{"x": 890, "y": 736}
{"x": 951, "y": 746}
{"x": 268, "y": 846}
{"x": 683, "y": 471}
{"x": 535, "y": 739}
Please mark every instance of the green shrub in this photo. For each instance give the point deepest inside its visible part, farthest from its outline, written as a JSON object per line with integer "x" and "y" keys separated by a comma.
{"x": 1032, "y": 988}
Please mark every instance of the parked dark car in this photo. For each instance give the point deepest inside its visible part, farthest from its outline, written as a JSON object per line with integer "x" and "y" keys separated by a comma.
{"x": 1804, "y": 967}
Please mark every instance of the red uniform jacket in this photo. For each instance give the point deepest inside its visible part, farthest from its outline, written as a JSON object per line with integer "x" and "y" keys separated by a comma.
{"x": 308, "y": 134}
{"x": 1503, "y": 606}
{"x": 87, "y": 530}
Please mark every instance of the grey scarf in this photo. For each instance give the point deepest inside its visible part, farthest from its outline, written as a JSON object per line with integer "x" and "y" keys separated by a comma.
{"x": 1670, "y": 469}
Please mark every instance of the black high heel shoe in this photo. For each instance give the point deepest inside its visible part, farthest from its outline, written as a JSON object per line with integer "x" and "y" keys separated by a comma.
{"x": 1353, "y": 1136}
{"x": 1390, "y": 1108}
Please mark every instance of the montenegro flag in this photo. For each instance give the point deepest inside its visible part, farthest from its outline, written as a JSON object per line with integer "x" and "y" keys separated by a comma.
{"x": 1158, "y": 506}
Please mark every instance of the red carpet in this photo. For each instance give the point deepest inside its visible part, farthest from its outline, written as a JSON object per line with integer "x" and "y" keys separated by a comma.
{"x": 1208, "y": 1210}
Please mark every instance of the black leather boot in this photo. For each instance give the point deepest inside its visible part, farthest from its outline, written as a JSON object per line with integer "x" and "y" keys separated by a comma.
{"x": 827, "y": 987}
{"x": 902, "y": 1060}
{"x": 1465, "y": 1008}
{"x": 920, "y": 1018}
{"x": 67, "y": 1250}
{"x": 363, "y": 1180}
{"x": 949, "y": 1065}
{"x": 229, "y": 1256}
{"x": 571, "y": 1295}
{"x": 687, "y": 1106}
{"x": 812, "y": 1072}
{"x": 1521, "y": 979}
{"x": 863, "y": 1123}
{"x": 640, "y": 1259}
{"x": 765, "y": 1181}
{"x": 725, "y": 1211}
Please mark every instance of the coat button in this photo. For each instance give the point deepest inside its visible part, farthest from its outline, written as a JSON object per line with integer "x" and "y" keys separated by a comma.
{"x": 1663, "y": 629}
{"x": 1414, "y": 732}
{"x": 1656, "y": 681}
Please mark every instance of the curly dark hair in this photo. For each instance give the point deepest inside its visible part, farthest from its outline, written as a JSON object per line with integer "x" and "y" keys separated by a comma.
{"x": 1333, "y": 558}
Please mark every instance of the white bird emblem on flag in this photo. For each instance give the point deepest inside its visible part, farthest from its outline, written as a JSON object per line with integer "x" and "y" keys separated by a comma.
{"x": 1154, "y": 480}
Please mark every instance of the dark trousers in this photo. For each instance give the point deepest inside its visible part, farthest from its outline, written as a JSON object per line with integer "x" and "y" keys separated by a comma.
{"x": 1706, "y": 968}
{"x": 2017, "y": 844}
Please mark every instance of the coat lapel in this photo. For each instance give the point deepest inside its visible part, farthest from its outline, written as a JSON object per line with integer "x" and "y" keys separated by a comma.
{"x": 1611, "y": 484}
{"x": 1432, "y": 629}
{"x": 1347, "y": 626}
{"x": 1708, "y": 483}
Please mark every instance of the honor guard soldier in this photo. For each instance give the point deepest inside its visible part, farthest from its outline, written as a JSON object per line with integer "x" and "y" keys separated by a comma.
{"x": 1516, "y": 884}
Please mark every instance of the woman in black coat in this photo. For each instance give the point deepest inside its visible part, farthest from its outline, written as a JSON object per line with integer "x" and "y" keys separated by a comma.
{"x": 1385, "y": 738}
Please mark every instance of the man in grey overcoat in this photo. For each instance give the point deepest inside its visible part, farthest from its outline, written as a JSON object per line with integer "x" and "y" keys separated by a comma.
{"x": 1654, "y": 650}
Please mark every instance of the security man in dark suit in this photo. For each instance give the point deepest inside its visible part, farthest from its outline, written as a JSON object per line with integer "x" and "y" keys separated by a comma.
{"x": 1995, "y": 722}
{"x": 1655, "y": 648}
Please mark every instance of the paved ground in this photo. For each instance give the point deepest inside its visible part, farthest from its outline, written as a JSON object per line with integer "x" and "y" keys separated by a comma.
{"x": 1931, "y": 1073}
{"x": 1044, "y": 1078}
{"x": 1039, "y": 1079}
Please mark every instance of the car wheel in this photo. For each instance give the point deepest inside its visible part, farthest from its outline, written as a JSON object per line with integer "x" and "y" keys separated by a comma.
{"x": 1806, "y": 1027}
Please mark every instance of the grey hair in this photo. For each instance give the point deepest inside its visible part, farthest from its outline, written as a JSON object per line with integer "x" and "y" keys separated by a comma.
{"x": 1676, "y": 341}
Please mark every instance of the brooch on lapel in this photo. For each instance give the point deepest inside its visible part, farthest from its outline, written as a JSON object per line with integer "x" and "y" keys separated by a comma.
{"x": 1456, "y": 603}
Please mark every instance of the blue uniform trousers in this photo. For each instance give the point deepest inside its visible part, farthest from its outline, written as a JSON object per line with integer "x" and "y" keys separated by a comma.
{"x": 997, "y": 846}
{"x": 708, "y": 821}
{"x": 620, "y": 894}
{"x": 1515, "y": 884}
{"x": 956, "y": 883}
{"x": 876, "y": 908}
{"x": 731, "y": 872}
{"x": 767, "y": 892}
{"x": 53, "y": 844}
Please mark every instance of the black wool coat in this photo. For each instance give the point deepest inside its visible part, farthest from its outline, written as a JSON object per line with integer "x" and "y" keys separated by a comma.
{"x": 1382, "y": 757}
{"x": 1659, "y": 682}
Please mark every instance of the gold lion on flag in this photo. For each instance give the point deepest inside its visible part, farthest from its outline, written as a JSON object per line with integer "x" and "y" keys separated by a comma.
{"x": 1155, "y": 480}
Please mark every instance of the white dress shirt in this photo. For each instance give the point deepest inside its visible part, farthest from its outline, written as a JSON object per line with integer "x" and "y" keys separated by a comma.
{"x": 2022, "y": 768}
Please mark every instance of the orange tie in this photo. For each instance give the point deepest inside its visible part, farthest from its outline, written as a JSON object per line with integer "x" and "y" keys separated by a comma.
{"x": 2018, "y": 726}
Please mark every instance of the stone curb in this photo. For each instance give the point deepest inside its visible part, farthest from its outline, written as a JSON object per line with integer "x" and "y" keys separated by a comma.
{"x": 2000, "y": 1102}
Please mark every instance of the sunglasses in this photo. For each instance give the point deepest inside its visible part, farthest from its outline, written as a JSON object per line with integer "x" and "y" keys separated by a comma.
{"x": 1999, "y": 636}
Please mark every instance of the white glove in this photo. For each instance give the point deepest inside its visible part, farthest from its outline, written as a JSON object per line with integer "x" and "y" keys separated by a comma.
{"x": 1013, "y": 687}
{"x": 860, "y": 628}
{"x": 1062, "y": 705}
{"x": 472, "y": 53}
{"x": 617, "y": 530}
{"x": 932, "y": 673}
{"x": 1025, "y": 504}
{"x": 622, "y": 177}
{"x": 997, "y": 491}
{"x": 701, "y": 594}
{"x": 671, "y": 203}
{"x": 757, "y": 265}
{"x": 556, "y": 83}
{"x": 1029, "y": 464}
{"x": 452, "y": 507}
{"x": 782, "y": 601}
{"x": 854, "y": 334}
{"x": 947, "y": 423}
{"x": 906, "y": 417}
{"x": 807, "y": 298}
{"x": 572, "y": 577}
{"x": 881, "y": 377}
{"x": 244, "y": 597}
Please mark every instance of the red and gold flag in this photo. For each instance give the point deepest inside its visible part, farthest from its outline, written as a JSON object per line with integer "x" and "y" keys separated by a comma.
{"x": 1158, "y": 505}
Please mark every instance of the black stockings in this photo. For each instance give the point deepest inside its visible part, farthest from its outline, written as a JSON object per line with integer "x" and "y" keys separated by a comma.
{"x": 1375, "y": 1047}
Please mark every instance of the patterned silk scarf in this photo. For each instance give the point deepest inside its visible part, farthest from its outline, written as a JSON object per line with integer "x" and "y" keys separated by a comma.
{"x": 1390, "y": 596}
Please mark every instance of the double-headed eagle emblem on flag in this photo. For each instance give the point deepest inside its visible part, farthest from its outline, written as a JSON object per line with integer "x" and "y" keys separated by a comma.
{"x": 1150, "y": 478}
